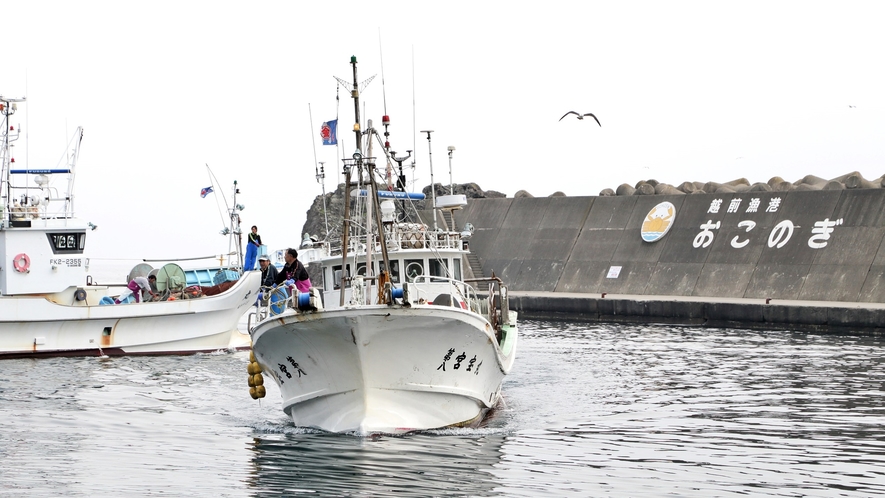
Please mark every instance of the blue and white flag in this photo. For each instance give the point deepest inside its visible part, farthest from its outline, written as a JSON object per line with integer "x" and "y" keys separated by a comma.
{"x": 206, "y": 191}
{"x": 329, "y": 132}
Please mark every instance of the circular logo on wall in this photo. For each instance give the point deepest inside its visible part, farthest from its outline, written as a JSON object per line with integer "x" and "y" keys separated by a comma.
{"x": 658, "y": 222}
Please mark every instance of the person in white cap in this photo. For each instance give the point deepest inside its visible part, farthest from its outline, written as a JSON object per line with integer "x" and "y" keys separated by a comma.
{"x": 268, "y": 272}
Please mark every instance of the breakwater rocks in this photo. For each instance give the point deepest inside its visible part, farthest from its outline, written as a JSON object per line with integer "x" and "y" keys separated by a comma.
{"x": 775, "y": 184}
{"x": 331, "y": 208}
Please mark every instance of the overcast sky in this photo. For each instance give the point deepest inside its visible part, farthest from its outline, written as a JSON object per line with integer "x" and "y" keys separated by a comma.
{"x": 685, "y": 91}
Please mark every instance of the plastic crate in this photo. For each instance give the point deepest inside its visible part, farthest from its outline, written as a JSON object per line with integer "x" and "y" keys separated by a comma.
{"x": 225, "y": 276}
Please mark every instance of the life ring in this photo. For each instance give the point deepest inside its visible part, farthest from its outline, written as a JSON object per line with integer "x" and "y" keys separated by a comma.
{"x": 21, "y": 263}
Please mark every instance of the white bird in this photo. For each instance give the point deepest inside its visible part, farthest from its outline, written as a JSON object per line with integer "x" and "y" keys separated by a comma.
{"x": 581, "y": 116}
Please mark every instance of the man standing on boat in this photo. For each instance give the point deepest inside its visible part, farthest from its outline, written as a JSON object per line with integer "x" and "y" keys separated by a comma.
{"x": 269, "y": 272}
{"x": 294, "y": 272}
{"x": 252, "y": 247}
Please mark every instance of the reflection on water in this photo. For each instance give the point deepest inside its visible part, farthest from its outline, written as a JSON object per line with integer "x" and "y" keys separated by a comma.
{"x": 589, "y": 410}
{"x": 417, "y": 465}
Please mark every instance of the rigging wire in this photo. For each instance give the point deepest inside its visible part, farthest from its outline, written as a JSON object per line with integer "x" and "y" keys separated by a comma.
{"x": 414, "y": 126}
{"x": 214, "y": 181}
{"x": 385, "y": 121}
{"x": 234, "y": 218}
{"x": 312, "y": 141}
{"x": 383, "y": 87}
{"x": 320, "y": 175}
{"x": 338, "y": 148}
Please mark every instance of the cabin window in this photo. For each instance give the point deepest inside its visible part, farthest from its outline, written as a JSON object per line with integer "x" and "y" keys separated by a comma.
{"x": 438, "y": 268}
{"x": 67, "y": 243}
{"x": 337, "y": 276}
{"x": 414, "y": 267}
{"x": 456, "y": 268}
{"x": 321, "y": 283}
{"x": 394, "y": 270}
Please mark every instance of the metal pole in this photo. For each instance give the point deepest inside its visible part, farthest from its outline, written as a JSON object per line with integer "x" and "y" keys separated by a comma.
{"x": 344, "y": 231}
{"x": 377, "y": 208}
{"x": 321, "y": 177}
{"x": 355, "y": 93}
{"x": 432, "y": 186}
{"x": 451, "y": 185}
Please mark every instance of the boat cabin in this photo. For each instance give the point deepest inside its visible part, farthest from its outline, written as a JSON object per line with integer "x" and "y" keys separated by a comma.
{"x": 412, "y": 249}
{"x": 403, "y": 268}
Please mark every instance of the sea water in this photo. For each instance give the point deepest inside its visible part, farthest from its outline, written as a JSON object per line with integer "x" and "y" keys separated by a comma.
{"x": 590, "y": 410}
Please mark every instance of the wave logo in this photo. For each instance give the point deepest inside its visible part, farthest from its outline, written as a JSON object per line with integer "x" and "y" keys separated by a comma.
{"x": 658, "y": 222}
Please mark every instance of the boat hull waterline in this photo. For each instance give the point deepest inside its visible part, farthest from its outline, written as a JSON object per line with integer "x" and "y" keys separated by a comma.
{"x": 384, "y": 369}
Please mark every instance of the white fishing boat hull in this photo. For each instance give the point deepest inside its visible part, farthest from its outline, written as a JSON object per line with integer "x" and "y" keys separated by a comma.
{"x": 390, "y": 336}
{"x": 49, "y": 304}
{"x": 33, "y": 325}
{"x": 385, "y": 369}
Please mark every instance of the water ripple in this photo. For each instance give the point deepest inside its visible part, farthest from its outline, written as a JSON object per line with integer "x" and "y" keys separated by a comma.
{"x": 589, "y": 410}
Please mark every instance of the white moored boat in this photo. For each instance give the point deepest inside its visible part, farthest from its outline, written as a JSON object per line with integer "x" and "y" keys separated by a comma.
{"x": 406, "y": 344}
{"x": 48, "y": 304}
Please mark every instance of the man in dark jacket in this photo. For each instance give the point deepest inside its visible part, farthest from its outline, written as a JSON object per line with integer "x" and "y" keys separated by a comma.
{"x": 269, "y": 272}
{"x": 294, "y": 271}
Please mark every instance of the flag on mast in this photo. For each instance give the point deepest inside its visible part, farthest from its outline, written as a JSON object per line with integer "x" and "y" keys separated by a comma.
{"x": 206, "y": 191}
{"x": 329, "y": 132}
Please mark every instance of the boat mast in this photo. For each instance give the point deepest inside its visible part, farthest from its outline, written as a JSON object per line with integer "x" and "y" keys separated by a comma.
{"x": 355, "y": 93}
{"x": 236, "y": 231}
{"x": 8, "y": 106}
{"x": 356, "y": 161}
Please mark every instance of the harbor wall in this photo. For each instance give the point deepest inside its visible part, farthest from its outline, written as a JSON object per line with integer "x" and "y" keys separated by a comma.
{"x": 764, "y": 314}
{"x": 800, "y": 245}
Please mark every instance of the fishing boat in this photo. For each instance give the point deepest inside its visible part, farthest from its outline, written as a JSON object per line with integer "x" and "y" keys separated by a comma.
{"x": 49, "y": 304}
{"x": 393, "y": 337}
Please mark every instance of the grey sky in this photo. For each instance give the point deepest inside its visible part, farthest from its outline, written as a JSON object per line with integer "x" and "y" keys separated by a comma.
{"x": 704, "y": 91}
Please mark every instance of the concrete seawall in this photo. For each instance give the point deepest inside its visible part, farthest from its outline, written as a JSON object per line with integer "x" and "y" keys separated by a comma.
{"x": 765, "y": 314}
{"x": 815, "y": 257}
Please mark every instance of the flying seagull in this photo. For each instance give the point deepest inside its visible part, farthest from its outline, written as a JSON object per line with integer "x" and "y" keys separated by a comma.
{"x": 581, "y": 116}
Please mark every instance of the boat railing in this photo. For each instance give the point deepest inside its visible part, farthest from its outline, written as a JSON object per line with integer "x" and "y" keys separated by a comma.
{"x": 420, "y": 236}
{"x": 430, "y": 288}
{"x": 29, "y": 197}
{"x": 408, "y": 239}
{"x": 277, "y": 299}
{"x": 271, "y": 301}
{"x": 35, "y": 203}
{"x": 496, "y": 304}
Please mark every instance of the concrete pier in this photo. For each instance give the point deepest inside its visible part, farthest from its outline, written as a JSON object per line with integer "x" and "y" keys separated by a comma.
{"x": 809, "y": 259}
{"x": 762, "y": 314}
